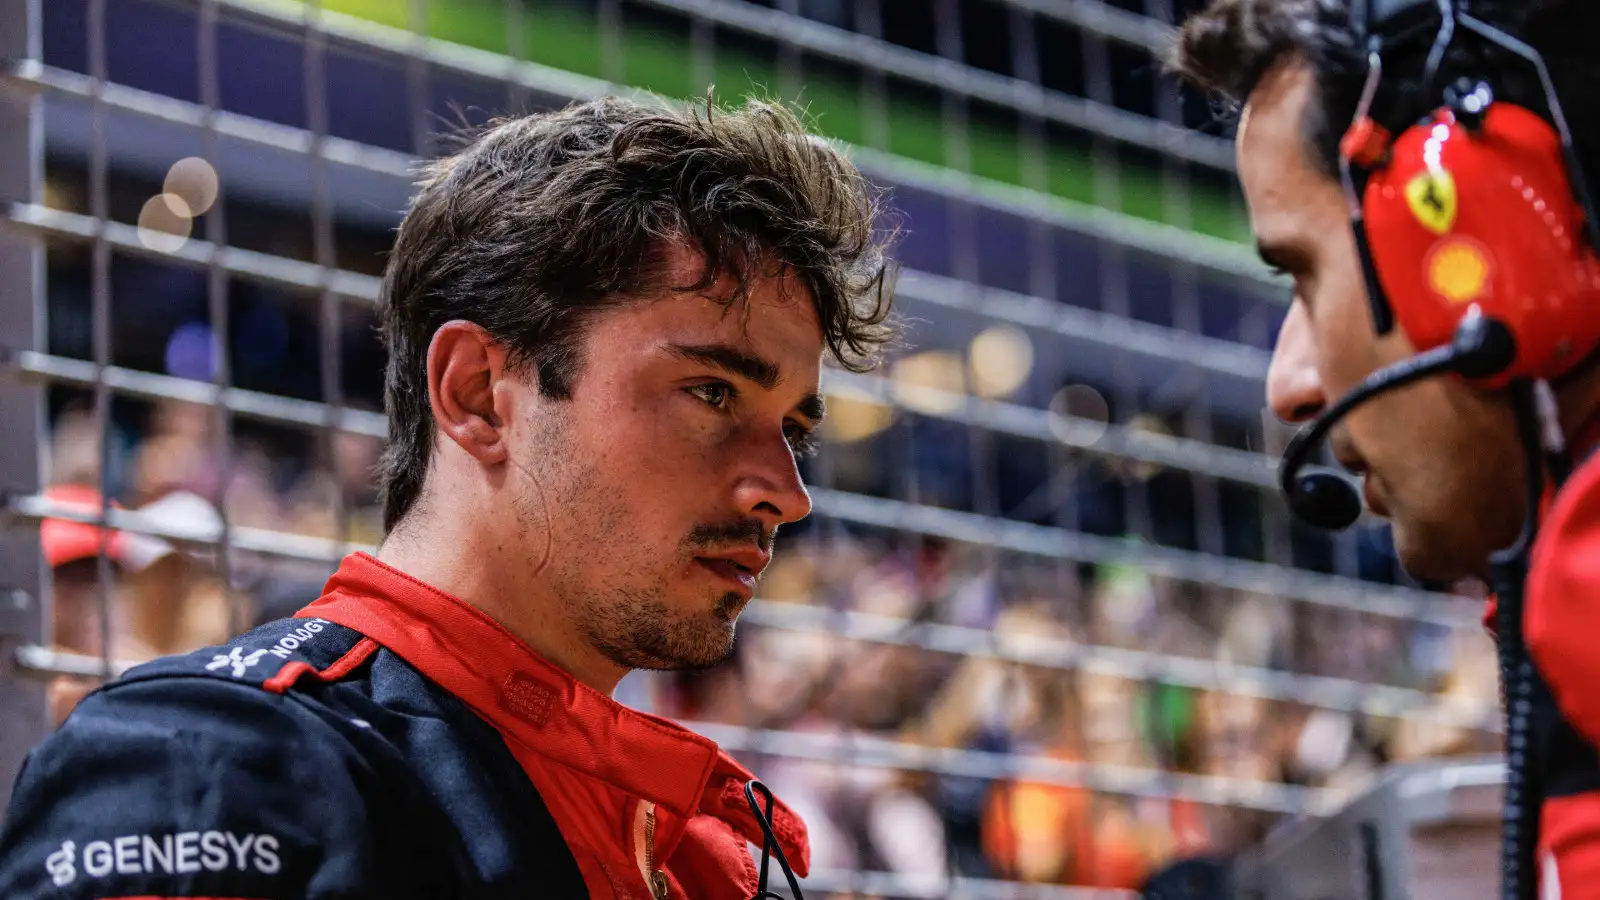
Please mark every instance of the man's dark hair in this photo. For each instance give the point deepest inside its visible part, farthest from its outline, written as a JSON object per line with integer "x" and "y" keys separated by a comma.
{"x": 1227, "y": 49}
{"x": 544, "y": 220}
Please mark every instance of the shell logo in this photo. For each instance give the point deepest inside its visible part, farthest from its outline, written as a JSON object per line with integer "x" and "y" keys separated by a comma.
{"x": 1458, "y": 271}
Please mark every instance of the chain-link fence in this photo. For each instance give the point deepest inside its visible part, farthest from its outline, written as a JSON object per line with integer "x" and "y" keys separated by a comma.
{"x": 1049, "y": 621}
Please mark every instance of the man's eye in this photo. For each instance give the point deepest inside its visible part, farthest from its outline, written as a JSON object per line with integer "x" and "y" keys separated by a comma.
{"x": 714, "y": 394}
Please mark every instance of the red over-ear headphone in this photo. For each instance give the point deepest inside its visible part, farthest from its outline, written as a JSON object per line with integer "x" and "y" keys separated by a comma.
{"x": 1480, "y": 207}
{"x": 1478, "y": 213}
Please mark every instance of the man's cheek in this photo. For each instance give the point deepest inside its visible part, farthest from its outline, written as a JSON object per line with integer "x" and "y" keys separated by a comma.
{"x": 1344, "y": 363}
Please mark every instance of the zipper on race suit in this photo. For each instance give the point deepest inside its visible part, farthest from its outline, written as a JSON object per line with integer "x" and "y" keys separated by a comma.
{"x": 656, "y": 879}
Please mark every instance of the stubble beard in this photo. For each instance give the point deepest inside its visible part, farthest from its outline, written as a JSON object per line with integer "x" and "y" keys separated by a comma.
{"x": 1462, "y": 521}
{"x": 636, "y": 630}
{"x": 628, "y": 620}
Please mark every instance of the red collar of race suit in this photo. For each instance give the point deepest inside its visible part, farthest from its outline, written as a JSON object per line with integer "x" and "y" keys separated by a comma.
{"x": 1556, "y": 509}
{"x": 542, "y": 707}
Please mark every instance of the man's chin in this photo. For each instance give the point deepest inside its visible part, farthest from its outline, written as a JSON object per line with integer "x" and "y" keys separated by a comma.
{"x": 708, "y": 645}
{"x": 685, "y": 663}
{"x": 728, "y": 608}
{"x": 1429, "y": 556}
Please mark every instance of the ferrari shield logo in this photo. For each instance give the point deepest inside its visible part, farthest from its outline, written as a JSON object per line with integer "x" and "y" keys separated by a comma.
{"x": 1432, "y": 198}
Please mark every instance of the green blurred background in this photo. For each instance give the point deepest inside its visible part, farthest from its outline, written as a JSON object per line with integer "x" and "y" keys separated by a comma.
{"x": 655, "y": 58}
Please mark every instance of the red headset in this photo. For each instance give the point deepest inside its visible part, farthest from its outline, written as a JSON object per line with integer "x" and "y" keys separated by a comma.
{"x": 1479, "y": 207}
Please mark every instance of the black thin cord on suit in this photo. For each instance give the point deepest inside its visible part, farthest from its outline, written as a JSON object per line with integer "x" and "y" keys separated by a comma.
{"x": 769, "y": 844}
{"x": 1519, "y": 836}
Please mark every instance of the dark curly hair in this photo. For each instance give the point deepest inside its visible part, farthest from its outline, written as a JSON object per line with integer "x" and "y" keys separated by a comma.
{"x": 1229, "y": 46}
{"x": 542, "y": 221}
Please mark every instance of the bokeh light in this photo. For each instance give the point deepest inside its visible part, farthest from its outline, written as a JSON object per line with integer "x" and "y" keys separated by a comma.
{"x": 190, "y": 353}
{"x": 931, "y": 382}
{"x": 1079, "y": 415}
{"x": 854, "y": 417}
{"x": 1000, "y": 358}
{"x": 194, "y": 181}
{"x": 162, "y": 225}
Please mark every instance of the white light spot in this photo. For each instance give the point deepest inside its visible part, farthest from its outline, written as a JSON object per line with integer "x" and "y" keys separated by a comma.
{"x": 1079, "y": 415}
{"x": 161, "y": 227}
{"x": 930, "y": 382}
{"x": 854, "y": 417}
{"x": 195, "y": 182}
{"x": 1000, "y": 359}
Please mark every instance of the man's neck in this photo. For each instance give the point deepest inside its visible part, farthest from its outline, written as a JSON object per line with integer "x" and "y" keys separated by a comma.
{"x": 487, "y": 574}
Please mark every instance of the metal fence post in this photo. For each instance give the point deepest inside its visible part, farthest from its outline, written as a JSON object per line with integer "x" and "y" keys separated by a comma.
{"x": 22, "y": 426}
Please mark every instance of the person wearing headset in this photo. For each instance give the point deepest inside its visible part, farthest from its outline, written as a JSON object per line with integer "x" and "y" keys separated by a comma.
{"x": 1420, "y": 169}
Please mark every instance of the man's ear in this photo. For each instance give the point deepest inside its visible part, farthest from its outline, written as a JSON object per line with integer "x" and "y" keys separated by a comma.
{"x": 464, "y": 365}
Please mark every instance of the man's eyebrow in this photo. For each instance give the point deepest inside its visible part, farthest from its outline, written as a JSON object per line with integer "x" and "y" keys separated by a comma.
{"x": 758, "y": 369}
{"x": 731, "y": 359}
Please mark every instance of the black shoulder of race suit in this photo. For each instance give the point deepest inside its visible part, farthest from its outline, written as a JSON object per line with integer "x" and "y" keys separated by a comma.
{"x": 275, "y": 766}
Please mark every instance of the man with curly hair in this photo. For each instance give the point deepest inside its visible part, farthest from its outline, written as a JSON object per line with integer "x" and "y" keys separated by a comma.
{"x": 606, "y": 326}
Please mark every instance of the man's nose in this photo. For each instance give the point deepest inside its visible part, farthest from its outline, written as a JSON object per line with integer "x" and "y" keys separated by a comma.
{"x": 770, "y": 487}
{"x": 1294, "y": 389}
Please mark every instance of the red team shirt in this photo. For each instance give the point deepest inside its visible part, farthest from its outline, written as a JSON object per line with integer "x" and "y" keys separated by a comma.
{"x": 1560, "y": 621}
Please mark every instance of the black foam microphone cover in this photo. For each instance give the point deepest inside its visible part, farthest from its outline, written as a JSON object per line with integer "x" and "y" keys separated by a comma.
{"x": 1325, "y": 499}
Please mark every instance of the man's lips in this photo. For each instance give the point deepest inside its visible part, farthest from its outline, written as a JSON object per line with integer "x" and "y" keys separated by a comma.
{"x": 750, "y": 558}
{"x": 740, "y": 567}
{"x": 1373, "y": 496}
{"x": 1351, "y": 462}
{"x": 740, "y": 579}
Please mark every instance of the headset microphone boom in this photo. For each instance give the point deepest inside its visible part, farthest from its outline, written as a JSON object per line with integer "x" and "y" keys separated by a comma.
{"x": 1327, "y": 499}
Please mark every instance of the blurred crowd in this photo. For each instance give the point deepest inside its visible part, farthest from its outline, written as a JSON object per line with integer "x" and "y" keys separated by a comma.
{"x": 164, "y": 597}
{"x": 171, "y": 596}
{"x": 913, "y": 822}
